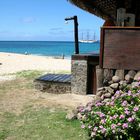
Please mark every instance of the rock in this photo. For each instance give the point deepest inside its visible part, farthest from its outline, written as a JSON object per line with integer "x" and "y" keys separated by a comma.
{"x": 128, "y": 78}
{"x": 137, "y": 75}
{"x": 105, "y": 82}
{"x": 71, "y": 115}
{"x": 102, "y": 97}
{"x": 129, "y": 86}
{"x": 110, "y": 90}
{"x": 108, "y": 73}
{"x": 122, "y": 84}
{"x": 114, "y": 86}
{"x": 120, "y": 74}
{"x": 100, "y": 93}
{"x": 134, "y": 84}
{"x": 79, "y": 116}
{"x": 115, "y": 79}
{"x": 107, "y": 95}
{"x": 97, "y": 99}
{"x": 101, "y": 89}
{"x": 110, "y": 82}
{"x": 132, "y": 73}
{"x": 106, "y": 100}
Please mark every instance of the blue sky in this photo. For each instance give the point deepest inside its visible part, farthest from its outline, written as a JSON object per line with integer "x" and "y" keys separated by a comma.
{"x": 44, "y": 20}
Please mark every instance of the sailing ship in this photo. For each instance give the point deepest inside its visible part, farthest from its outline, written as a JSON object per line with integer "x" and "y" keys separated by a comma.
{"x": 88, "y": 40}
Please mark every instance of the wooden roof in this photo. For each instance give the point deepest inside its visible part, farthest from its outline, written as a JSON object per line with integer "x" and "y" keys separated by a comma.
{"x": 106, "y": 9}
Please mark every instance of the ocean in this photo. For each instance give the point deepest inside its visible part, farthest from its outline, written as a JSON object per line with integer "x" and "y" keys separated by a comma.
{"x": 47, "y": 48}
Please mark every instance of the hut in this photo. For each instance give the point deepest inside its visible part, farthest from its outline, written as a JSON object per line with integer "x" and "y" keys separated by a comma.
{"x": 119, "y": 45}
{"x": 119, "y": 57}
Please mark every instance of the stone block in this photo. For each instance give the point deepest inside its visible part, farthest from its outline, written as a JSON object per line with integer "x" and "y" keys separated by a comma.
{"x": 108, "y": 74}
{"x": 120, "y": 74}
{"x": 137, "y": 76}
{"x": 116, "y": 79}
{"x": 99, "y": 76}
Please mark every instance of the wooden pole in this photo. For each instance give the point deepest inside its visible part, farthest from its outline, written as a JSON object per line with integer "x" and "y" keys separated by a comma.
{"x": 76, "y": 35}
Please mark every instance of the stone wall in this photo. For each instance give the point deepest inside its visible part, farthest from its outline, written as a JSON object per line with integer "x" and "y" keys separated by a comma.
{"x": 114, "y": 80}
{"x": 79, "y": 77}
{"x": 53, "y": 87}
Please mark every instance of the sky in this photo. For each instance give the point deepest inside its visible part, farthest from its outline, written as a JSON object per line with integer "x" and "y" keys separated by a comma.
{"x": 43, "y": 20}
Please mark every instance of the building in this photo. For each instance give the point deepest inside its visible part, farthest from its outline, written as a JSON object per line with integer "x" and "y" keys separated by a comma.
{"x": 120, "y": 44}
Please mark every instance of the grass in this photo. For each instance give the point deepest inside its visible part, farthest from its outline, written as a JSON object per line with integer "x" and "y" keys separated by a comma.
{"x": 33, "y": 123}
{"x": 30, "y": 74}
{"x": 40, "y": 125}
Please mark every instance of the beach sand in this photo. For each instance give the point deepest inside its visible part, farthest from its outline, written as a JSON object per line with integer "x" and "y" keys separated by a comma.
{"x": 12, "y": 63}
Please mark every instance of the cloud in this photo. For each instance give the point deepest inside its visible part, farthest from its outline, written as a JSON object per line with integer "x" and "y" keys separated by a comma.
{"x": 28, "y": 20}
{"x": 56, "y": 29}
{"x": 4, "y": 32}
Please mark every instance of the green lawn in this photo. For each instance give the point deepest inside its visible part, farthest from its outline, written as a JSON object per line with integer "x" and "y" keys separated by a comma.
{"x": 33, "y": 122}
{"x": 39, "y": 124}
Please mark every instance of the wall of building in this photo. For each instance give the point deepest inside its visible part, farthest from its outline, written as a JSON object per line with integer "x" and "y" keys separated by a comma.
{"x": 53, "y": 87}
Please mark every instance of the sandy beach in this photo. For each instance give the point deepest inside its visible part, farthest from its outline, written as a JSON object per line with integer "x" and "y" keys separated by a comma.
{"x": 12, "y": 63}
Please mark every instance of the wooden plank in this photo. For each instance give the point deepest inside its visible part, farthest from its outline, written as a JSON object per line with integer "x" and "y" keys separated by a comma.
{"x": 101, "y": 47}
{"x": 121, "y": 48}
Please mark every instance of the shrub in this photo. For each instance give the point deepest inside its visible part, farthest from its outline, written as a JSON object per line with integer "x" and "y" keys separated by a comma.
{"x": 115, "y": 120}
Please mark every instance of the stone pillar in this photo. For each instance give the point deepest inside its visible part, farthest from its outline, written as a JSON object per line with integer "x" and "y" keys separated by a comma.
{"x": 79, "y": 77}
{"x": 99, "y": 77}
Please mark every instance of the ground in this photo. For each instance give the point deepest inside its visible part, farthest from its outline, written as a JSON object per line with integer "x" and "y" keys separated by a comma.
{"x": 20, "y": 102}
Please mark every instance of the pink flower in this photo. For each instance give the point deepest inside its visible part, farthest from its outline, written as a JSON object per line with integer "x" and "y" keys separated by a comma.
{"x": 138, "y": 78}
{"x": 125, "y": 125}
{"x": 103, "y": 121}
{"x": 130, "y": 119}
{"x": 121, "y": 117}
{"x": 103, "y": 130}
{"x": 124, "y": 103}
{"x": 95, "y": 129}
{"x": 129, "y": 93}
{"x": 127, "y": 112}
{"x": 113, "y": 126}
{"x": 98, "y": 104}
{"x": 89, "y": 126}
{"x": 119, "y": 124}
{"x": 101, "y": 115}
{"x": 112, "y": 103}
{"x": 82, "y": 126}
{"x": 117, "y": 92}
{"x": 101, "y": 127}
{"x": 111, "y": 118}
{"x": 135, "y": 109}
{"x": 112, "y": 98}
{"x": 115, "y": 116}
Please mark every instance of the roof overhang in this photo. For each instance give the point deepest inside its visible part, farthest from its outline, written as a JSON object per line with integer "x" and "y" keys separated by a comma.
{"x": 106, "y": 9}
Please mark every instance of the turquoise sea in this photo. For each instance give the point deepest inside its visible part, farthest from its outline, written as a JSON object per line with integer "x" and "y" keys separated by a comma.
{"x": 47, "y": 48}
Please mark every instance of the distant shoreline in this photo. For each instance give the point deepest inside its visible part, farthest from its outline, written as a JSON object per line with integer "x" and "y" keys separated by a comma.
{"x": 56, "y": 49}
{"x": 47, "y": 56}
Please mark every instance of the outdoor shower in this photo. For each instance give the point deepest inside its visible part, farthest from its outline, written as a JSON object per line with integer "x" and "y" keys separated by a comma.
{"x": 75, "y": 32}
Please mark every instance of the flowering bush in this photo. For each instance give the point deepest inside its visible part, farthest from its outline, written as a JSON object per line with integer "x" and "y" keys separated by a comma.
{"x": 117, "y": 119}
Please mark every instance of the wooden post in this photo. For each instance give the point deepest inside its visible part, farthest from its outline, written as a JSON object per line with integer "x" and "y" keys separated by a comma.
{"x": 76, "y": 35}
